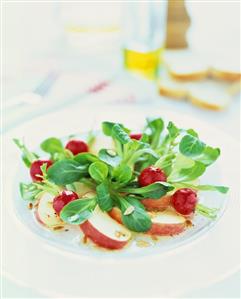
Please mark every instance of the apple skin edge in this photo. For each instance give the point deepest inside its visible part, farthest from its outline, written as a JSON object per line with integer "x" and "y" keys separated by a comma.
{"x": 45, "y": 213}
{"x": 158, "y": 229}
{"x": 100, "y": 239}
{"x": 38, "y": 218}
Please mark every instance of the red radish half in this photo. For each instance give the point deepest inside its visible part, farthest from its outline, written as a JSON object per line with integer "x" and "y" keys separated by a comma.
{"x": 151, "y": 175}
{"x": 63, "y": 199}
{"x": 184, "y": 201}
{"x": 136, "y": 136}
{"x": 35, "y": 169}
{"x": 104, "y": 231}
{"x": 77, "y": 146}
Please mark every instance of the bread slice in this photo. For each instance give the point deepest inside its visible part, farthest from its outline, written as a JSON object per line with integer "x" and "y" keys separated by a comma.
{"x": 171, "y": 88}
{"x": 220, "y": 74}
{"x": 227, "y": 70}
{"x": 186, "y": 67}
{"x": 210, "y": 95}
{"x": 207, "y": 94}
{"x": 234, "y": 88}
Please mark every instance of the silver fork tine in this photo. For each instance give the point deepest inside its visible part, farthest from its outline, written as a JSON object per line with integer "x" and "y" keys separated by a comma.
{"x": 35, "y": 95}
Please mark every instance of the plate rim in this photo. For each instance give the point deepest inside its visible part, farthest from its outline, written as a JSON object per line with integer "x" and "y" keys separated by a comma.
{"x": 178, "y": 248}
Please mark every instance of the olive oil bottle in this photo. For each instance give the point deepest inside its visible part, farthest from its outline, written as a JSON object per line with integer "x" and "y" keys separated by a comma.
{"x": 144, "y": 32}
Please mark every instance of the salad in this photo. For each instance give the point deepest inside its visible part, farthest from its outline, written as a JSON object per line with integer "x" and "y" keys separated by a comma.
{"x": 142, "y": 183}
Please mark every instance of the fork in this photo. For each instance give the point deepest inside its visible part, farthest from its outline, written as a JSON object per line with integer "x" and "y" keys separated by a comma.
{"x": 36, "y": 96}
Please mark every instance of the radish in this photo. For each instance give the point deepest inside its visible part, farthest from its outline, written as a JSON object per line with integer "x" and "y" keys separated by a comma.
{"x": 184, "y": 201}
{"x": 35, "y": 169}
{"x": 63, "y": 199}
{"x": 77, "y": 147}
{"x": 151, "y": 175}
{"x": 136, "y": 136}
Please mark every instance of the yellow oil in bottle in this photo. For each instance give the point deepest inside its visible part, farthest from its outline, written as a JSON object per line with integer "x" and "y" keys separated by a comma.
{"x": 146, "y": 64}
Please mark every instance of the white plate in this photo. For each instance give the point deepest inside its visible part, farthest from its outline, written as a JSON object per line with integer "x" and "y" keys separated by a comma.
{"x": 31, "y": 259}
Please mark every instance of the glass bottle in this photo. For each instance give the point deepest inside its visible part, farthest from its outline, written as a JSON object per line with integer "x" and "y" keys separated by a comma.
{"x": 144, "y": 32}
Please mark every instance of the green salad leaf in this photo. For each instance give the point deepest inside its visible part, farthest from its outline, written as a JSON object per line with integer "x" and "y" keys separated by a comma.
{"x": 104, "y": 199}
{"x": 27, "y": 156}
{"x": 208, "y": 156}
{"x": 52, "y": 145}
{"x": 154, "y": 191}
{"x": 78, "y": 211}
{"x": 66, "y": 172}
{"x": 134, "y": 215}
{"x": 29, "y": 192}
{"x": 156, "y": 127}
{"x": 191, "y": 146}
{"x": 98, "y": 171}
{"x": 187, "y": 174}
{"x": 192, "y": 132}
{"x": 172, "y": 130}
{"x": 107, "y": 127}
{"x": 165, "y": 163}
{"x": 85, "y": 158}
{"x": 120, "y": 134}
{"x": 221, "y": 189}
{"x": 109, "y": 156}
{"x": 122, "y": 174}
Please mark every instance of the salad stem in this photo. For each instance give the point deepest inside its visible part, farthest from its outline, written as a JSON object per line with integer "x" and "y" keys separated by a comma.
{"x": 207, "y": 212}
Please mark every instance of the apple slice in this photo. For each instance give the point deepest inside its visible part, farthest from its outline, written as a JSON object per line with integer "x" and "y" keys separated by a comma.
{"x": 104, "y": 231}
{"x": 101, "y": 141}
{"x": 81, "y": 189}
{"x": 115, "y": 213}
{"x": 157, "y": 204}
{"x": 89, "y": 194}
{"x": 45, "y": 212}
{"x": 167, "y": 223}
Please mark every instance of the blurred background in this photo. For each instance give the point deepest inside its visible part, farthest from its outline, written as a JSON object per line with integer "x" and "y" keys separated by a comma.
{"x": 178, "y": 55}
{"x": 187, "y": 51}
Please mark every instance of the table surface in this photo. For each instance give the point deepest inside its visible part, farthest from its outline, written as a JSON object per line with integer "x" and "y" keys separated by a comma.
{"x": 76, "y": 84}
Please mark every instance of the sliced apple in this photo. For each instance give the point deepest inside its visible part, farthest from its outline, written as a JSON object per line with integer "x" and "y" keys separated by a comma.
{"x": 167, "y": 223}
{"x": 115, "y": 213}
{"x": 104, "y": 231}
{"x": 45, "y": 212}
{"x": 101, "y": 142}
{"x": 81, "y": 189}
{"x": 89, "y": 194}
{"x": 157, "y": 204}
